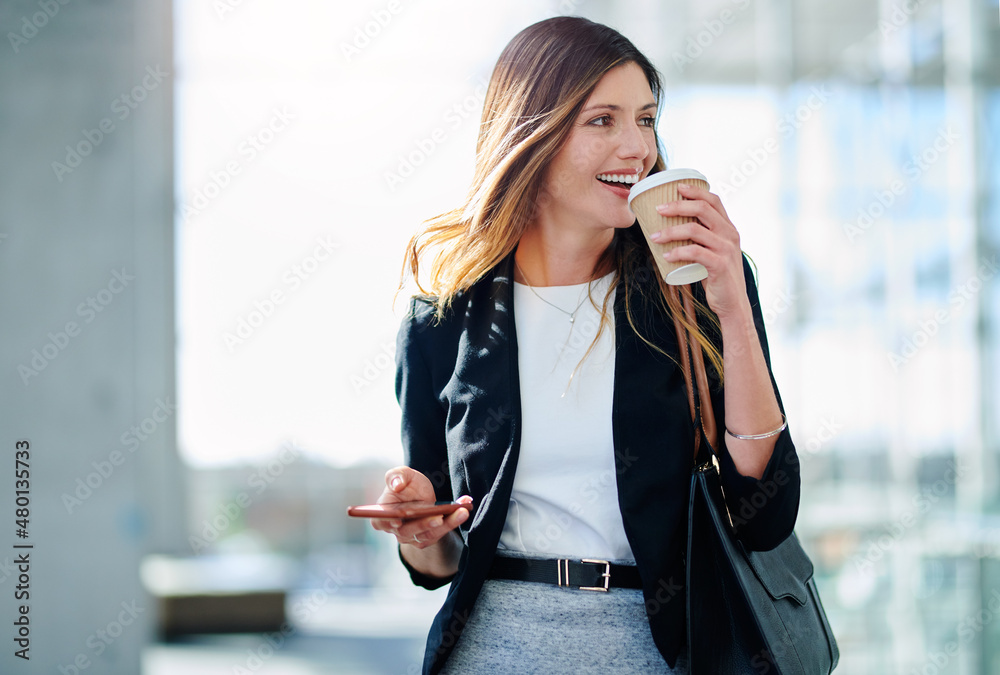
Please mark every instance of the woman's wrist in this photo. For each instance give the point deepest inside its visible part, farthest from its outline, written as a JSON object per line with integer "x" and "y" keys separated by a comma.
{"x": 439, "y": 559}
{"x": 739, "y": 334}
{"x": 737, "y": 319}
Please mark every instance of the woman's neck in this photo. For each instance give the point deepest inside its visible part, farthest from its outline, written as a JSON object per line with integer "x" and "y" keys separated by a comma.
{"x": 549, "y": 257}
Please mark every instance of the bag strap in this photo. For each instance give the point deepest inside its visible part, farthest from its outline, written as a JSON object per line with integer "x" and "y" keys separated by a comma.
{"x": 693, "y": 361}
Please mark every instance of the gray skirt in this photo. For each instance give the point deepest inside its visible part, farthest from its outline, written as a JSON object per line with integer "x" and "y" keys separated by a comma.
{"x": 528, "y": 627}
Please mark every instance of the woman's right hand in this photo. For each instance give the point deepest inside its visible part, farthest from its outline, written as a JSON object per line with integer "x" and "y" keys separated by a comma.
{"x": 403, "y": 484}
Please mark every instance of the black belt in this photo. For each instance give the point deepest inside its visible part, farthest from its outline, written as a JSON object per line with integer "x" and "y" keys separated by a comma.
{"x": 587, "y": 575}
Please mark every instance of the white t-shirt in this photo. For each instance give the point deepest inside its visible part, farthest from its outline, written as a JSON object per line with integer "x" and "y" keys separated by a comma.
{"x": 564, "y": 501}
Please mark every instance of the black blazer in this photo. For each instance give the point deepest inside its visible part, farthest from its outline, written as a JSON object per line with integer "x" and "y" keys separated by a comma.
{"x": 457, "y": 384}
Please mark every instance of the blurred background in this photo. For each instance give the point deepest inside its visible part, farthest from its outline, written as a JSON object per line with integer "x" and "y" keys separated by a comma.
{"x": 203, "y": 212}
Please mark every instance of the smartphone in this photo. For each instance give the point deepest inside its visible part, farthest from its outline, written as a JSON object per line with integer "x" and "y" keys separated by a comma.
{"x": 406, "y": 510}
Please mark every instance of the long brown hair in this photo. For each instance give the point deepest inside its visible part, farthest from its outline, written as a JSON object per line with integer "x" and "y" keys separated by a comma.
{"x": 539, "y": 85}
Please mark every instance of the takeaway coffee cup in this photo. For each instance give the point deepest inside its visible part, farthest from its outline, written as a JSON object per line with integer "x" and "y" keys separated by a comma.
{"x": 643, "y": 199}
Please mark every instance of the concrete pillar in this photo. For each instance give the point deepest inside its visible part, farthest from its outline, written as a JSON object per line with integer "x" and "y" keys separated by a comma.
{"x": 86, "y": 325}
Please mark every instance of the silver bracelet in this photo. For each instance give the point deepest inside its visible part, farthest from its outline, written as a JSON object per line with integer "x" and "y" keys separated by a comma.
{"x": 757, "y": 437}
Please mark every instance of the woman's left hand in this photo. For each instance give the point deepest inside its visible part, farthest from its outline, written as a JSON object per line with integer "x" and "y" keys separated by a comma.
{"x": 716, "y": 245}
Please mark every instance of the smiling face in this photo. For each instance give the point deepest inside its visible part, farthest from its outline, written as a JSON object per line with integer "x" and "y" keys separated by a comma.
{"x": 611, "y": 146}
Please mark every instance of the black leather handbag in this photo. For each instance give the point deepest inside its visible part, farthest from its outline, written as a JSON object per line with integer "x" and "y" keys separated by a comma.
{"x": 747, "y": 611}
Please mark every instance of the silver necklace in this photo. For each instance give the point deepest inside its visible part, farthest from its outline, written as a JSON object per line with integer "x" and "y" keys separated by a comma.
{"x": 571, "y": 315}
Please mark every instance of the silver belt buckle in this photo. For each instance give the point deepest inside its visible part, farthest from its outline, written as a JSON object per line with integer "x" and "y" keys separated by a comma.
{"x": 562, "y": 574}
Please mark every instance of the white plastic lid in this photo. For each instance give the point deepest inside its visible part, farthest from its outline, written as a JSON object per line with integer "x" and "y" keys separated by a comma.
{"x": 688, "y": 274}
{"x": 668, "y": 176}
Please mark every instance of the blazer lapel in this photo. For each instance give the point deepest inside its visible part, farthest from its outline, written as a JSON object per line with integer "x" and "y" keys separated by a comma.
{"x": 485, "y": 399}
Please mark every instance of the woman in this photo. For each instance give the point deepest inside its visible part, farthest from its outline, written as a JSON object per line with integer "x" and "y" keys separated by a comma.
{"x": 568, "y": 429}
